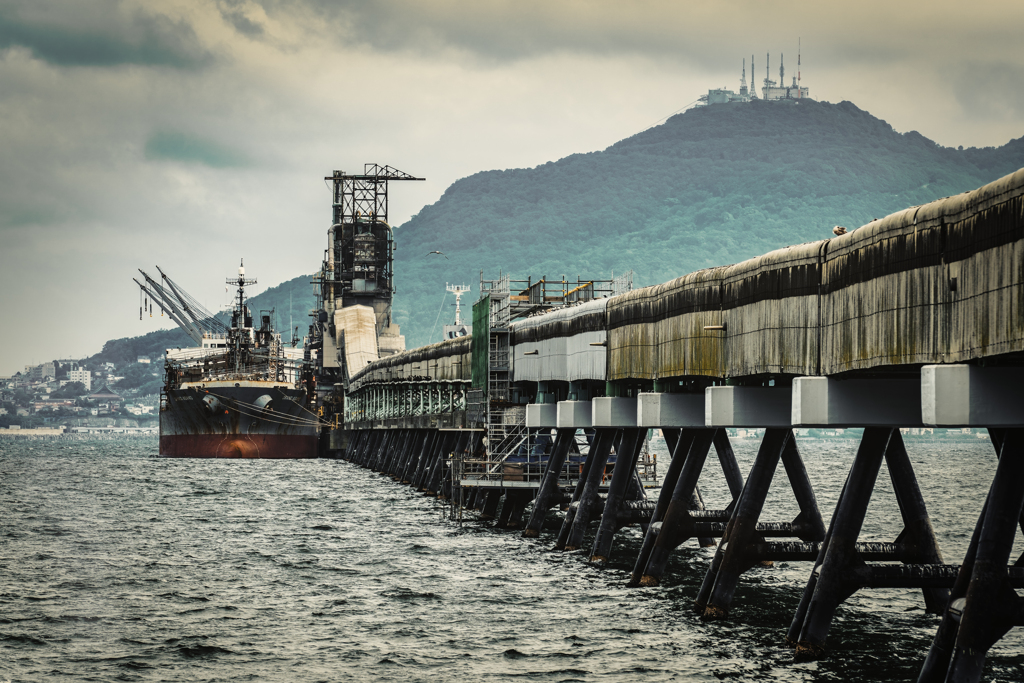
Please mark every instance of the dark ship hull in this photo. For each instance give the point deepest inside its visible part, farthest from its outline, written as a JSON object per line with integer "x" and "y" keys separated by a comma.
{"x": 246, "y": 419}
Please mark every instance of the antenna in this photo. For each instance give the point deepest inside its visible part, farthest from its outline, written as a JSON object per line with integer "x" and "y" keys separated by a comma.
{"x": 798, "y": 67}
{"x": 782, "y": 70}
{"x": 753, "y": 88}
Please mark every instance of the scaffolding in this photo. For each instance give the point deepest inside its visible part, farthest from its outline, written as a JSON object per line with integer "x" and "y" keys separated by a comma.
{"x": 501, "y": 410}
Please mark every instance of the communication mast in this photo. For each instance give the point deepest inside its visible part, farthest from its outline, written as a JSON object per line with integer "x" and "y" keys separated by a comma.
{"x": 753, "y": 80}
{"x": 458, "y": 329}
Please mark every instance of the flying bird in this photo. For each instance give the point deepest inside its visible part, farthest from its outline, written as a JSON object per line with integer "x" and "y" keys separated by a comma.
{"x": 437, "y": 252}
{"x": 839, "y": 230}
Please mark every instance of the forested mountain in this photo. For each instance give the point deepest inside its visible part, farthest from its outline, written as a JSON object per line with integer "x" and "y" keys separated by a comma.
{"x": 712, "y": 186}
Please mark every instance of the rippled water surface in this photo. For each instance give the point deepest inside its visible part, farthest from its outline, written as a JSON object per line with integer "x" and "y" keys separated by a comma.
{"x": 115, "y": 565}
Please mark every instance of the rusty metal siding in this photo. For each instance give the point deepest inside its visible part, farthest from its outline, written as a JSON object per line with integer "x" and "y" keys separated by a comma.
{"x": 631, "y": 334}
{"x": 889, "y": 296}
{"x": 985, "y": 250}
{"x": 938, "y": 283}
{"x": 884, "y": 293}
{"x": 770, "y": 310}
{"x": 683, "y": 346}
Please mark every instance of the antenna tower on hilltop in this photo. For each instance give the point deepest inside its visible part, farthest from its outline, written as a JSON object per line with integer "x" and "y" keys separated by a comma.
{"x": 798, "y": 67}
{"x": 753, "y": 80}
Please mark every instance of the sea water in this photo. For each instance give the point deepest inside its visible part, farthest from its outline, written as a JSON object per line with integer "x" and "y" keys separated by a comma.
{"x": 118, "y": 565}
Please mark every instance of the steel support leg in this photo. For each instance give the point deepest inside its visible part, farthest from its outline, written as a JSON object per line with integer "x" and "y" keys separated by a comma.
{"x": 936, "y": 665}
{"x": 830, "y": 589}
{"x": 586, "y": 489}
{"x": 492, "y": 497}
{"x": 918, "y": 534}
{"x": 677, "y": 523}
{"x": 732, "y": 557}
{"x": 991, "y": 606}
{"x": 630, "y": 445}
{"x": 549, "y": 493}
{"x": 420, "y": 466}
{"x": 808, "y": 526}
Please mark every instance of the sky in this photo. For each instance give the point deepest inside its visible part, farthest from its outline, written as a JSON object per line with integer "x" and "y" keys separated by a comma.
{"x": 191, "y": 133}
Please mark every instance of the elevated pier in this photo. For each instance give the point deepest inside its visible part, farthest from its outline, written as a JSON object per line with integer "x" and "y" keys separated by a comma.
{"x": 911, "y": 321}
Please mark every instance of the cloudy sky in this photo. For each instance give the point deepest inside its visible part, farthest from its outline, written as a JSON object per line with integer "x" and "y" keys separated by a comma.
{"x": 190, "y": 133}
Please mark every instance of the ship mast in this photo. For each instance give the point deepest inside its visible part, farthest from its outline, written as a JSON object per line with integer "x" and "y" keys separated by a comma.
{"x": 241, "y": 319}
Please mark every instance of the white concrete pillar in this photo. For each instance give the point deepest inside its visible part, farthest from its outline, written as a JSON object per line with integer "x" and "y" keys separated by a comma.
{"x": 541, "y": 415}
{"x": 670, "y": 410}
{"x": 573, "y": 414}
{"x": 828, "y": 402}
{"x": 747, "y": 406}
{"x": 611, "y": 411}
{"x": 969, "y": 396}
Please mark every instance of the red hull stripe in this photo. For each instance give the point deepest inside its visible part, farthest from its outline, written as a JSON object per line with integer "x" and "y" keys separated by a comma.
{"x": 238, "y": 446}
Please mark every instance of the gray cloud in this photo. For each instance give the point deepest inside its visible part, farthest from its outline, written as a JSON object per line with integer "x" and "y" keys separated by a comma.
{"x": 990, "y": 91}
{"x": 234, "y": 13}
{"x": 99, "y": 33}
{"x": 702, "y": 34}
{"x": 193, "y": 161}
{"x": 172, "y": 145}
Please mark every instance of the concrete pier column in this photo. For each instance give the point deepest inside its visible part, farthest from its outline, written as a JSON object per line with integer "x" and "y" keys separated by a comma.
{"x": 549, "y": 493}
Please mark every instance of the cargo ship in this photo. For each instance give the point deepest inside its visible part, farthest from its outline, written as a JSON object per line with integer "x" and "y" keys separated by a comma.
{"x": 241, "y": 392}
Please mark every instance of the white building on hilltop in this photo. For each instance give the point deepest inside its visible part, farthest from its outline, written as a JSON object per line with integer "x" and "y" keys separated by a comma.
{"x": 771, "y": 91}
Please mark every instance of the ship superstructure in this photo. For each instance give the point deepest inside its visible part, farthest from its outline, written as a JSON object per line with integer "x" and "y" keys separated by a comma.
{"x": 240, "y": 392}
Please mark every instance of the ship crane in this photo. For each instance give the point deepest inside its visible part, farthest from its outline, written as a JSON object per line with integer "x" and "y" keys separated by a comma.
{"x": 193, "y": 318}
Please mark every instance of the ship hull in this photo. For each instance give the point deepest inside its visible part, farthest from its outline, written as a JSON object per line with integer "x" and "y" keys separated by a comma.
{"x": 237, "y": 420}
